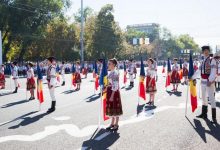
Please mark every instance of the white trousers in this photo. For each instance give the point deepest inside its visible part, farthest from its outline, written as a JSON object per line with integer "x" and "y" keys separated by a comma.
{"x": 210, "y": 91}
{"x": 52, "y": 93}
{"x": 16, "y": 82}
{"x": 63, "y": 77}
{"x": 131, "y": 78}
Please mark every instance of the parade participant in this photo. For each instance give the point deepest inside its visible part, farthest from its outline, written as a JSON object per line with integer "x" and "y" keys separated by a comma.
{"x": 2, "y": 77}
{"x": 51, "y": 79}
{"x": 62, "y": 72}
{"x": 196, "y": 65}
{"x": 151, "y": 81}
{"x": 113, "y": 103}
{"x": 15, "y": 76}
{"x": 99, "y": 65}
{"x": 217, "y": 81}
{"x": 185, "y": 71}
{"x": 30, "y": 80}
{"x": 78, "y": 76}
{"x": 175, "y": 77}
{"x": 155, "y": 68}
{"x": 85, "y": 70}
{"x": 208, "y": 74}
{"x": 131, "y": 72}
{"x": 135, "y": 69}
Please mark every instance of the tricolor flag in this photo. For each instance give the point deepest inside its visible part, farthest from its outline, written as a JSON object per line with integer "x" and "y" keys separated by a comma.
{"x": 40, "y": 95}
{"x": 125, "y": 74}
{"x": 103, "y": 81}
{"x": 168, "y": 78}
{"x": 96, "y": 77}
{"x": 181, "y": 69}
{"x": 73, "y": 75}
{"x": 142, "y": 93}
{"x": 192, "y": 84}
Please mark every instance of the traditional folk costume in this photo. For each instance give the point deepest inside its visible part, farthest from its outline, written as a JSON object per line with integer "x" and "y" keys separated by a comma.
{"x": 77, "y": 74}
{"x": 208, "y": 74}
{"x": 15, "y": 77}
{"x": 62, "y": 72}
{"x": 30, "y": 79}
{"x": 85, "y": 70}
{"x": 151, "y": 80}
{"x": 155, "y": 68}
{"x": 130, "y": 73}
{"x": 2, "y": 77}
{"x": 185, "y": 71}
{"x": 196, "y": 65}
{"x": 218, "y": 74}
{"x": 113, "y": 108}
{"x": 51, "y": 79}
{"x": 175, "y": 77}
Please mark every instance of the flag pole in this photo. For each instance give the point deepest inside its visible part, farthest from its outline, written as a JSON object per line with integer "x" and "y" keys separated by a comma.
{"x": 100, "y": 108}
{"x": 187, "y": 97}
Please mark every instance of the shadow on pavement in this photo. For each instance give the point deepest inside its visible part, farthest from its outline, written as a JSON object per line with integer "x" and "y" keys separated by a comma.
{"x": 128, "y": 88}
{"x": 214, "y": 130}
{"x": 103, "y": 143}
{"x": 21, "y": 117}
{"x": 68, "y": 91}
{"x": 29, "y": 120}
{"x": 14, "y": 103}
{"x": 6, "y": 93}
{"x": 178, "y": 93}
{"x": 91, "y": 99}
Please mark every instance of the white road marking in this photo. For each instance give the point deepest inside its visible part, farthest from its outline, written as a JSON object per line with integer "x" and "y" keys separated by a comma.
{"x": 74, "y": 130}
{"x": 61, "y": 118}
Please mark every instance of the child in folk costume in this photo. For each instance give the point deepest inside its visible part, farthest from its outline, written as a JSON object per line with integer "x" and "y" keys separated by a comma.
{"x": 131, "y": 72}
{"x": 151, "y": 81}
{"x": 51, "y": 79}
{"x": 15, "y": 76}
{"x": 30, "y": 80}
{"x": 175, "y": 77}
{"x": 113, "y": 103}
{"x": 2, "y": 77}
{"x": 208, "y": 74}
{"x": 62, "y": 72}
{"x": 185, "y": 71}
{"x": 85, "y": 70}
{"x": 78, "y": 76}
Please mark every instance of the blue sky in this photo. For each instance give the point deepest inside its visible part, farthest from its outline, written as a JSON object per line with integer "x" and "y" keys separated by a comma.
{"x": 199, "y": 18}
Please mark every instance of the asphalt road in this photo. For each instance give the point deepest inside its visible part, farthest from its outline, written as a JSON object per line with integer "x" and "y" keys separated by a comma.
{"x": 74, "y": 124}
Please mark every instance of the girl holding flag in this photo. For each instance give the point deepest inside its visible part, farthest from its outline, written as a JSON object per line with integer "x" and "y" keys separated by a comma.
{"x": 77, "y": 76}
{"x": 113, "y": 103}
{"x": 175, "y": 77}
{"x": 30, "y": 80}
{"x": 151, "y": 81}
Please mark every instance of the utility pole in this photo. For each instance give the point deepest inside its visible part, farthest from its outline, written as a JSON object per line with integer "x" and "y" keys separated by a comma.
{"x": 82, "y": 33}
{"x": 0, "y": 47}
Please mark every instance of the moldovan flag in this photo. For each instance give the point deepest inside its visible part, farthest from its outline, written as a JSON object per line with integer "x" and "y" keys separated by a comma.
{"x": 125, "y": 74}
{"x": 95, "y": 71}
{"x": 181, "y": 70}
{"x": 142, "y": 91}
{"x": 73, "y": 75}
{"x": 103, "y": 81}
{"x": 192, "y": 84}
{"x": 40, "y": 95}
{"x": 168, "y": 78}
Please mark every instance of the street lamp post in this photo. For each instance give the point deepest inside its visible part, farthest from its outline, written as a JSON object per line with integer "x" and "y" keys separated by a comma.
{"x": 82, "y": 33}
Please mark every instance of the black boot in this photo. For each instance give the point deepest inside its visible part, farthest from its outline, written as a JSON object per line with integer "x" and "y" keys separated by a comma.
{"x": 214, "y": 121}
{"x": 132, "y": 84}
{"x": 16, "y": 90}
{"x": 204, "y": 112}
{"x": 52, "y": 109}
{"x": 63, "y": 83}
